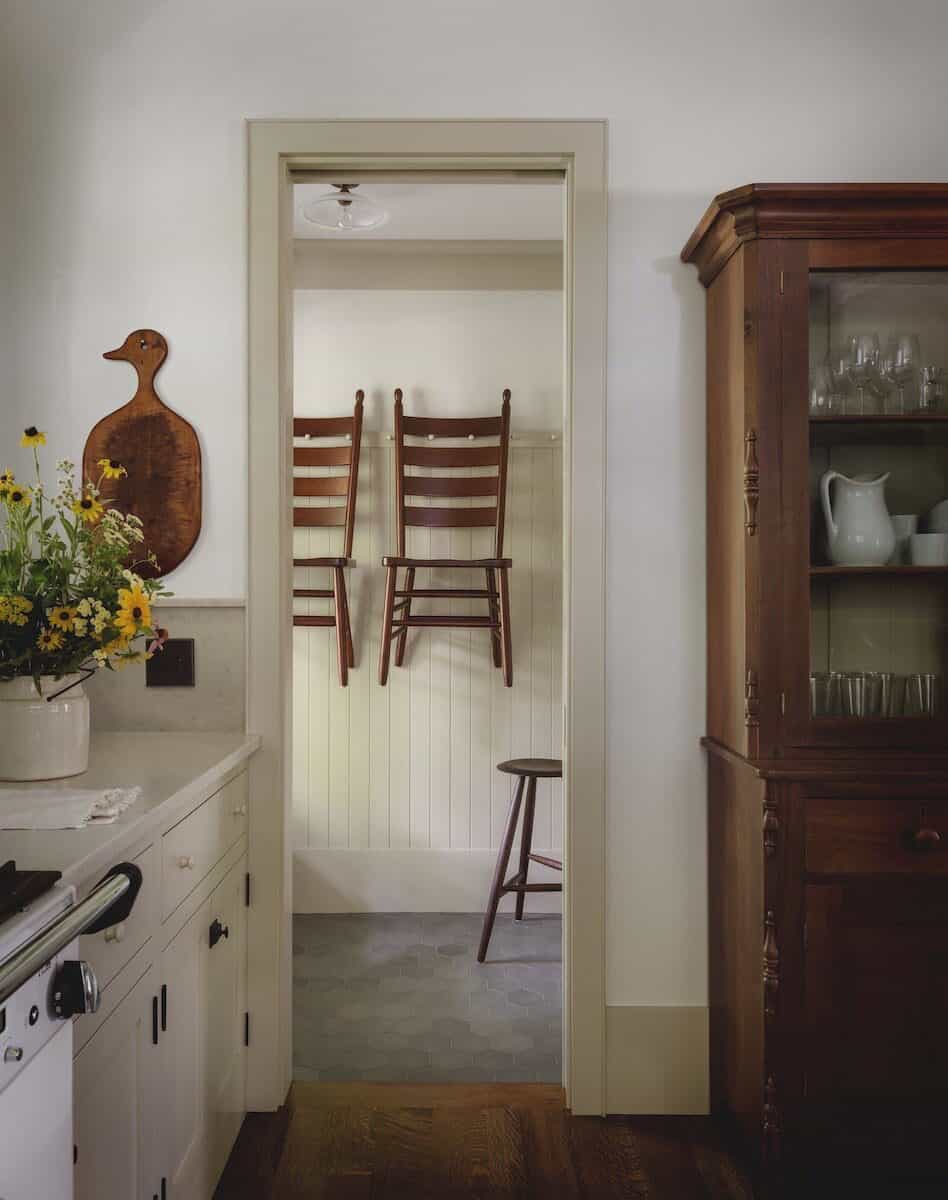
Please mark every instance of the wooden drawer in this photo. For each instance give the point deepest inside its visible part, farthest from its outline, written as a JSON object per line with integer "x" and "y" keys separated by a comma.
{"x": 876, "y": 835}
{"x": 197, "y": 843}
{"x": 109, "y": 950}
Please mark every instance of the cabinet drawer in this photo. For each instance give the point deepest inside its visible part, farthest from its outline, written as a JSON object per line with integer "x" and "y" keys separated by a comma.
{"x": 194, "y": 845}
{"x": 876, "y": 835}
{"x": 109, "y": 950}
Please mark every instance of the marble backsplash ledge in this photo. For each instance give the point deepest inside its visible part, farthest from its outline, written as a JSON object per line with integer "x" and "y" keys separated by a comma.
{"x": 121, "y": 702}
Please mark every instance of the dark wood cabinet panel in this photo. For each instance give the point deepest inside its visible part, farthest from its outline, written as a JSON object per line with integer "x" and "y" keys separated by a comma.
{"x": 828, "y": 836}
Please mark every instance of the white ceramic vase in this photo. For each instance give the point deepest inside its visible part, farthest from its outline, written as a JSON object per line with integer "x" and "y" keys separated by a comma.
{"x": 43, "y": 738}
{"x": 859, "y": 531}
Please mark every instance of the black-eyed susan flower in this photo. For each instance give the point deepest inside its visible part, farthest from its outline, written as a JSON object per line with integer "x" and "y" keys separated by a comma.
{"x": 6, "y": 482}
{"x": 87, "y": 507}
{"x": 63, "y": 617}
{"x": 33, "y": 437}
{"x": 49, "y": 640}
{"x": 111, "y": 468}
{"x": 134, "y": 611}
{"x": 17, "y": 496}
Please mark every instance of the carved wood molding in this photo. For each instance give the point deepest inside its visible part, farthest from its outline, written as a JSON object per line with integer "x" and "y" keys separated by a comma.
{"x": 771, "y": 965}
{"x": 771, "y": 1122}
{"x": 751, "y": 482}
{"x": 771, "y": 825}
{"x": 751, "y": 700}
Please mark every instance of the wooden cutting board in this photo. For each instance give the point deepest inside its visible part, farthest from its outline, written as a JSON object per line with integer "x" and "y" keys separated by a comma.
{"x": 161, "y": 453}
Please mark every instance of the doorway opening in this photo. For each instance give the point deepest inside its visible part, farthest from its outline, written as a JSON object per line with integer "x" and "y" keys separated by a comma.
{"x": 455, "y": 297}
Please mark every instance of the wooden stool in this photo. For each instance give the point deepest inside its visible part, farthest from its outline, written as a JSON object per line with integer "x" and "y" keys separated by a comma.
{"x": 528, "y": 771}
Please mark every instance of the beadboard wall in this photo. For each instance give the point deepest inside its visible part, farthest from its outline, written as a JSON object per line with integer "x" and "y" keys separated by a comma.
{"x": 412, "y": 766}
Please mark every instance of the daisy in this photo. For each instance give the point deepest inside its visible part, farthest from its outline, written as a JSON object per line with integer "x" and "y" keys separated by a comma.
{"x": 50, "y": 639}
{"x": 111, "y": 468}
{"x": 89, "y": 508}
{"x": 134, "y": 611}
{"x": 63, "y": 617}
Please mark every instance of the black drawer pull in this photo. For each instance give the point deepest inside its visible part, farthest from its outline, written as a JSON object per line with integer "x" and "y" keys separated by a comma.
{"x": 216, "y": 932}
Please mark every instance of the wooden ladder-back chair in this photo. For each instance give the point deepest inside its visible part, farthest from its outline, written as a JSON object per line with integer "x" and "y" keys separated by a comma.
{"x": 398, "y": 617}
{"x": 329, "y": 515}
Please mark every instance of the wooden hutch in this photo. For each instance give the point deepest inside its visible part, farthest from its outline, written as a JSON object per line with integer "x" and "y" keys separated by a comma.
{"x": 827, "y": 725}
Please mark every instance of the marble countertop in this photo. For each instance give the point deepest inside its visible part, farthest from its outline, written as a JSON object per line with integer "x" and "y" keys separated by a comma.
{"x": 175, "y": 771}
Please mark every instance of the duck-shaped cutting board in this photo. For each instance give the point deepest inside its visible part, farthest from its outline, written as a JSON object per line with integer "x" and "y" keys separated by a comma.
{"x": 161, "y": 454}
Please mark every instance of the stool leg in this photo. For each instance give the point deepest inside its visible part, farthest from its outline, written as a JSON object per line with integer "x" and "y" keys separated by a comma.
{"x": 503, "y": 857}
{"x": 526, "y": 840}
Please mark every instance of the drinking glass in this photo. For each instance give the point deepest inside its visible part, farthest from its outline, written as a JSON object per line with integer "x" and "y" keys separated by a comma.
{"x": 822, "y": 391}
{"x": 899, "y": 367}
{"x": 824, "y": 694}
{"x": 922, "y": 695}
{"x": 931, "y": 389}
{"x": 854, "y": 693}
{"x": 864, "y": 372}
{"x": 839, "y": 363}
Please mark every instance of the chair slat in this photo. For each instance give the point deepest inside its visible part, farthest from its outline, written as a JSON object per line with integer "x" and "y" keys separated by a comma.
{"x": 310, "y": 518}
{"x": 322, "y": 456}
{"x": 451, "y": 456}
{"x": 450, "y": 518}
{"x": 322, "y": 426}
{"x": 315, "y": 622}
{"x": 451, "y": 426}
{"x": 321, "y": 485}
{"x": 450, "y": 485}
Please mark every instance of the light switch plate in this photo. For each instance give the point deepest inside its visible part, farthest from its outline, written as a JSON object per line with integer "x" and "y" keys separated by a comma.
{"x": 172, "y": 666}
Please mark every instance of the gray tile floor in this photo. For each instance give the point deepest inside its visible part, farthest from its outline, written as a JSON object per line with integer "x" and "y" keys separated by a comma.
{"x": 400, "y": 998}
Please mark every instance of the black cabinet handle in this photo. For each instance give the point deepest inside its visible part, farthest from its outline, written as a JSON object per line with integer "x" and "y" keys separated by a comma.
{"x": 216, "y": 932}
{"x": 154, "y": 1020}
{"x": 164, "y": 1008}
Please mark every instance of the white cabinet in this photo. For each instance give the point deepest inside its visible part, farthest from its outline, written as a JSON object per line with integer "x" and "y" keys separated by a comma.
{"x": 160, "y": 1072}
{"x": 116, "y": 1121}
{"x": 203, "y": 1054}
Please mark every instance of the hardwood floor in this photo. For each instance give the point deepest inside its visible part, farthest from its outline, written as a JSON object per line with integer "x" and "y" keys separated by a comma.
{"x": 361, "y": 1141}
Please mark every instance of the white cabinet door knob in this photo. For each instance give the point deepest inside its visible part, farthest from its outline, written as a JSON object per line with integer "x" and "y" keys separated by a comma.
{"x": 116, "y": 933}
{"x": 186, "y": 862}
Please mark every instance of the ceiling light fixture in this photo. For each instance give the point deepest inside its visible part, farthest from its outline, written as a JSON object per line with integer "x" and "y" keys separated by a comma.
{"x": 344, "y": 211}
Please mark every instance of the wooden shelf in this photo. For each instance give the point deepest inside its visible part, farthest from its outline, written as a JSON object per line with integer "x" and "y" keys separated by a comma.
{"x": 893, "y": 569}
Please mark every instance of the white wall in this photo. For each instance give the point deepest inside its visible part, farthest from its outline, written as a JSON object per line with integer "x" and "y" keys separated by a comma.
{"x": 127, "y": 160}
{"x": 412, "y": 766}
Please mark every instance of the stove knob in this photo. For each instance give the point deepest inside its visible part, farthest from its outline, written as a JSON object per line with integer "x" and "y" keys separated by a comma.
{"x": 75, "y": 989}
{"x": 13, "y": 1054}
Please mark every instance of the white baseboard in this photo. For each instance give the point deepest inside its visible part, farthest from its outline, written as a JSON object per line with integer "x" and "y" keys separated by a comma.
{"x": 657, "y": 1060}
{"x": 344, "y": 881}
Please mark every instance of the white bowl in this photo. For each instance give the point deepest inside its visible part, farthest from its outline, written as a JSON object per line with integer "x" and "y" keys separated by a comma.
{"x": 938, "y": 518}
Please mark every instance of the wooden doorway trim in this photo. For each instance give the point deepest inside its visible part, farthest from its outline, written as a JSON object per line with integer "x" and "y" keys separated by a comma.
{"x": 277, "y": 150}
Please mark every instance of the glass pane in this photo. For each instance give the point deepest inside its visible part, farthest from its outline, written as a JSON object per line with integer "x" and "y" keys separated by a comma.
{"x": 878, "y": 420}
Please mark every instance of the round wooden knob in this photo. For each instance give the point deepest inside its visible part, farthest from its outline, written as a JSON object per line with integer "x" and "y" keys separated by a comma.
{"x": 186, "y": 862}
{"x": 925, "y": 840}
{"x": 116, "y": 933}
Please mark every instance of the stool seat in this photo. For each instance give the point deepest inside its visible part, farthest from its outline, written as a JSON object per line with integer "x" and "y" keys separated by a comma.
{"x": 539, "y": 768}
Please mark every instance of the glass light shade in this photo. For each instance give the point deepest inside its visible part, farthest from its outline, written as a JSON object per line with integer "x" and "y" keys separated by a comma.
{"x": 345, "y": 211}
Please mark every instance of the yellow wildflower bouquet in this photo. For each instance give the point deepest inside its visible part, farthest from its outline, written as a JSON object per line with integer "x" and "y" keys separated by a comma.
{"x": 70, "y": 598}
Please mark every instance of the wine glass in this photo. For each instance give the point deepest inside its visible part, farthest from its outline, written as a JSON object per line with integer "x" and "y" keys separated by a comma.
{"x": 900, "y": 365}
{"x": 931, "y": 389}
{"x": 839, "y": 361}
{"x": 822, "y": 391}
{"x": 864, "y": 370}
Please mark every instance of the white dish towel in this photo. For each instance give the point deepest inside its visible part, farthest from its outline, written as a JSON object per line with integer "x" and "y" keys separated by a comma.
{"x": 64, "y": 808}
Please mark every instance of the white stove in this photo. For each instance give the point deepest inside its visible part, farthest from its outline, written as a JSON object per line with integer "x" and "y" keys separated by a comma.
{"x": 36, "y": 1061}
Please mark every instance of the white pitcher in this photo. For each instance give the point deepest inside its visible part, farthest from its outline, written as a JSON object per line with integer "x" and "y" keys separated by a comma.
{"x": 859, "y": 530}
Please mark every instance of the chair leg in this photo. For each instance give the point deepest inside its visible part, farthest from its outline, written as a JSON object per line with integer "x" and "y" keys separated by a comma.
{"x": 402, "y": 636}
{"x": 492, "y": 606}
{"x": 385, "y": 645}
{"x": 526, "y": 841}
{"x": 500, "y": 870}
{"x": 350, "y": 652}
{"x": 506, "y": 650}
{"x": 339, "y": 604}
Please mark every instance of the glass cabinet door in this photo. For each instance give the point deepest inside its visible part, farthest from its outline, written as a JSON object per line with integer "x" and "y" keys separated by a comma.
{"x": 878, "y": 494}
